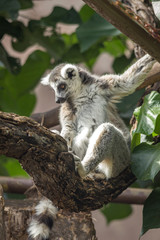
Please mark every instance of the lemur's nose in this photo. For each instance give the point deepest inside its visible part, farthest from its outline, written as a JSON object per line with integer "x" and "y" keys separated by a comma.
{"x": 60, "y": 100}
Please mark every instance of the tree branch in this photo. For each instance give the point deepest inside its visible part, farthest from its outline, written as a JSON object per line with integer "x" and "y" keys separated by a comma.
{"x": 21, "y": 185}
{"x": 15, "y": 185}
{"x": 44, "y": 156}
{"x": 127, "y": 25}
{"x": 152, "y": 77}
{"x": 47, "y": 119}
{"x": 75, "y": 225}
{"x": 2, "y": 226}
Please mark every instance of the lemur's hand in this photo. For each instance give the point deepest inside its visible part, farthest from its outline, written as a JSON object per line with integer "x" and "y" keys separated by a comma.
{"x": 78, "y": 166}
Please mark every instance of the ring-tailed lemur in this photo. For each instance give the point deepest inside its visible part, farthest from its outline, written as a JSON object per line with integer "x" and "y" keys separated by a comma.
{"x": 90, "y": 124}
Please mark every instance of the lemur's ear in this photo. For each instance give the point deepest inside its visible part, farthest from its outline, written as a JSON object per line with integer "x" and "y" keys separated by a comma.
{"x": 45, "y": 80}
{"x": 69, "y": 71}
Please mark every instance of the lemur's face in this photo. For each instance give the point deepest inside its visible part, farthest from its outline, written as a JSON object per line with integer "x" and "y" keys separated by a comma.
{"x": 63, "y": 79}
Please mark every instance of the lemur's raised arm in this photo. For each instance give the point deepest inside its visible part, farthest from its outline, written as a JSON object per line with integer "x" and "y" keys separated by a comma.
{"x": 126, "y": 83}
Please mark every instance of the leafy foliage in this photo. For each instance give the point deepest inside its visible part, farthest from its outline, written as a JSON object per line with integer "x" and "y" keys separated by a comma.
{"x": 146, "y": 155}
{"x": 146, "y": 161}
{"x": 151, "y": 212}
{"x": 116, "y": 211}
{"x": 91, "y": 31}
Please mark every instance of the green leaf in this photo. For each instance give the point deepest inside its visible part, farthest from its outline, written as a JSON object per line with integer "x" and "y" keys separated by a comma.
{"x": 116, "y": 211}
{"x": 11, "y": 167}
{"x": 11, "y": 63}
{"x": 90, "y": 56}
{"x": 70, "y": 40}
{"x": 15, "y": 90}
{"x": 151, "y": 212}
{"x": 136, "y": 139}
{"x": 121, "y": 63}
{"x": 157, "y": 125}
{"x": 9, "y": 8}
{"x": 62, "y": 15}
{"x": 146, "y": 161}
{"x": 115, "y": 47}
{"x": 86, "y": 13}
{"x": 34, "y": 34}
{"x": 11, "y": 28}
{"x": 148, "y": 114}
{"x": 73, "y": 55}
{"x": 91, "y": 31}
{"x": 26, "y": 4}
{"x": 128, "y": 104}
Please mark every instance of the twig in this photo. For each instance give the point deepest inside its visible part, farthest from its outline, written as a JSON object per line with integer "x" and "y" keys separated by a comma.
{"x": 49, "y": 118}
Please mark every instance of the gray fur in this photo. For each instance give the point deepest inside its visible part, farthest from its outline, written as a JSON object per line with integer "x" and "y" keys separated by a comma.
{"x": 90, "y": 123}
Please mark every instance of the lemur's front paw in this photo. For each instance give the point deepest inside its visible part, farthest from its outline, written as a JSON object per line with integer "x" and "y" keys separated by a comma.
{"x": 81, "y": 171}
{"x": 78, "y": 166}
{"x": 68, "y": 136}
{"x": 55, "y": 131}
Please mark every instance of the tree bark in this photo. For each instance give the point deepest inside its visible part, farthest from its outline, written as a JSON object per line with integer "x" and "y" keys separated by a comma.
{"x": 44, "y": 156}
{"x": 2, "y": 226}
{"x": 17, "y": 214}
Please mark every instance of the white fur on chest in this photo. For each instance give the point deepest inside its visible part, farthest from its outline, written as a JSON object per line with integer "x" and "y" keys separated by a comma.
{"x": 92, "y": 111}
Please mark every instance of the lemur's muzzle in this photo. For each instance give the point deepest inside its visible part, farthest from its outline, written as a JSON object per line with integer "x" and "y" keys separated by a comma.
{"x": 60, "y": 100}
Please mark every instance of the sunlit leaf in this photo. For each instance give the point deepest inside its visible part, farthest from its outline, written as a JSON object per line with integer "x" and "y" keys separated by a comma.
{"x": 148, "y": 114}
{"x": 86, "y": 13}
{"x": 136, "y": 139}
{"x": 12, "y": 167}
{"x": 115, "y": 47}
{"x": 146, "y": 161}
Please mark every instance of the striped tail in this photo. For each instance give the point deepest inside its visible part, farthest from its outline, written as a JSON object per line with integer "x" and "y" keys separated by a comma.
{"x": 42, "y": 222}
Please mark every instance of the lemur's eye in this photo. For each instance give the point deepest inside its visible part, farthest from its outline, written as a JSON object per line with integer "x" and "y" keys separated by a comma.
{"x": 62, "y": 87}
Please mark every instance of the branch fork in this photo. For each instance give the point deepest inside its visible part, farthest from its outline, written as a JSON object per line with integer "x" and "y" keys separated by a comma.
{"x": 45, "y": 157}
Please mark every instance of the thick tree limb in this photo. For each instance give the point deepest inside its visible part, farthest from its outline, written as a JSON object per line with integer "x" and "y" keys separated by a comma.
{"x": 127, "y": 25}
{"x": 21, "y": 185}
{"x": 2, "y": 226}
{"x": 44, "y": 156}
